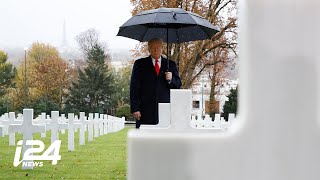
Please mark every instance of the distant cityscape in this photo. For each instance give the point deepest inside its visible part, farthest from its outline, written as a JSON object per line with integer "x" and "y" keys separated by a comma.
{"x": 68, "y": 52}
{"x": 16, "y": 55}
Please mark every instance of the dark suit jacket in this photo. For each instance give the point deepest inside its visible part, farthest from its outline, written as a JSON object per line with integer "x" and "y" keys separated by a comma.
{"x": 147, "y": 89}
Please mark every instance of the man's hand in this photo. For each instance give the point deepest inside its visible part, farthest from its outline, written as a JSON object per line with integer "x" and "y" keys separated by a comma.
{"x": 168, "y": 76}
{"x": 137, "y": 115}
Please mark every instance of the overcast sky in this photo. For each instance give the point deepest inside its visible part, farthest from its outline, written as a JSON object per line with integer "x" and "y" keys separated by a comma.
{"x": 26, "y": 21}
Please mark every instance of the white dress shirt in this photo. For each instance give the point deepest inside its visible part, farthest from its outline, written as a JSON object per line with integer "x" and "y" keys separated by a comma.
{"x": 159, "y": 62}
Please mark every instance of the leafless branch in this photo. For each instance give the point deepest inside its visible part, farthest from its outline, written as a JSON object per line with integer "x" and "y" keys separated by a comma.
{"x": 223, "y": 6}
{"x": 205, "y": 66}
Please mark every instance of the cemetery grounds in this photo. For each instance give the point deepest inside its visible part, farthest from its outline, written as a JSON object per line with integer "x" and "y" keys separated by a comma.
{"x": 104, "y": 158}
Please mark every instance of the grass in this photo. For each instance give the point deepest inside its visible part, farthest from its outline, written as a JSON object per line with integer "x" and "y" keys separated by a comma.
{"x": 104, "y": 158}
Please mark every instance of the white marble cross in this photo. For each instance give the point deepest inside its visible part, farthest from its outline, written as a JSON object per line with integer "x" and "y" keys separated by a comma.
{"x": 55, "y": 126}
{"x": 71, "y": 127}
{"x": 27, "y": 129}
{"x": 19, "y": 118}
{"x": 90, "y": 127}
{"x": 105, "y": 123}
{"x": 110, "y": 123}
{"x": 193, "y": 122}
{"x": 116, "y": 123}
{"x": 207, "y": 122}
{"x": 96, "y": 124}
{"x": 82, "y": 139}
{"x": 122, "y": 123}
{"x": 76, "y": 121}
{"x": 43, "y": 121}
{"x": 217, "y": 121}
{"x": 181, "y": 107}
{"x": 12, "y": 135}
{"x": 5, "y": 122}
{"x": 231, "y": 118}
{"x": 63, "y": 120}
{"x": 101, "y": 121}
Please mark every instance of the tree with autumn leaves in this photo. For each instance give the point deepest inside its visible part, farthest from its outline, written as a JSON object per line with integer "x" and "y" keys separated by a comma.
{"x": 212, "y": 56}
{"x": 46, "y": 82}
{"x": 42, "y": 84}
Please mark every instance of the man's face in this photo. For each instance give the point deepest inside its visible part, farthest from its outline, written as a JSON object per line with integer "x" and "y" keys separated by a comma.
{"x": 155, "y": 49}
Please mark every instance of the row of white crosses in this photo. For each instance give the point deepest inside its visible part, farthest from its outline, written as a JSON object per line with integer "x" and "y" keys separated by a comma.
{"x": 207, "y": 122}
{"x": 219, "y": 122}
{"x": 28, "y": 126}
{"x": 98, "y": 121}
{"x": 97, "y": 125}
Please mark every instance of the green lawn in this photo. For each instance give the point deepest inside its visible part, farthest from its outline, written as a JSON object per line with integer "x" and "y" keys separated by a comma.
{"x": 104, "y": 158}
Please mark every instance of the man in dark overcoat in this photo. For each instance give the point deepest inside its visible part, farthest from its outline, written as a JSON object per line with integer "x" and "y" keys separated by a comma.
{"x": 150, "y": 84}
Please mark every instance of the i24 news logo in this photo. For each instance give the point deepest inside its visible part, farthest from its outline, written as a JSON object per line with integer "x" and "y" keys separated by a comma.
{"x": 28, "y": 155}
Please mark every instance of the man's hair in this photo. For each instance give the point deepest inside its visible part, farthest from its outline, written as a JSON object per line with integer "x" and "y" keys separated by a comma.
{"x": 155, "y": 40}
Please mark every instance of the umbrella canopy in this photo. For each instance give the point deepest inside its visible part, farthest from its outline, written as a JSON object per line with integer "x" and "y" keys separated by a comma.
{"x": 172, "y": 25}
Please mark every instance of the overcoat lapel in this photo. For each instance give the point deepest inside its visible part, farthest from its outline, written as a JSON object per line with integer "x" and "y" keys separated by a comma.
{"x": 163, "y": 67}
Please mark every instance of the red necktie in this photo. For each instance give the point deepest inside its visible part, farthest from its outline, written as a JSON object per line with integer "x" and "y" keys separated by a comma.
{"x": 156, "y": 67}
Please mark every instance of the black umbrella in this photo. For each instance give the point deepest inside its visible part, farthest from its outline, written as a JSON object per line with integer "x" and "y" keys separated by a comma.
{"x": 173, "y": 25}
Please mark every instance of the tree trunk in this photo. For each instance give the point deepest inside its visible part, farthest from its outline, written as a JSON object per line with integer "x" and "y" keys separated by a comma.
{"x": 213, "y": 104}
